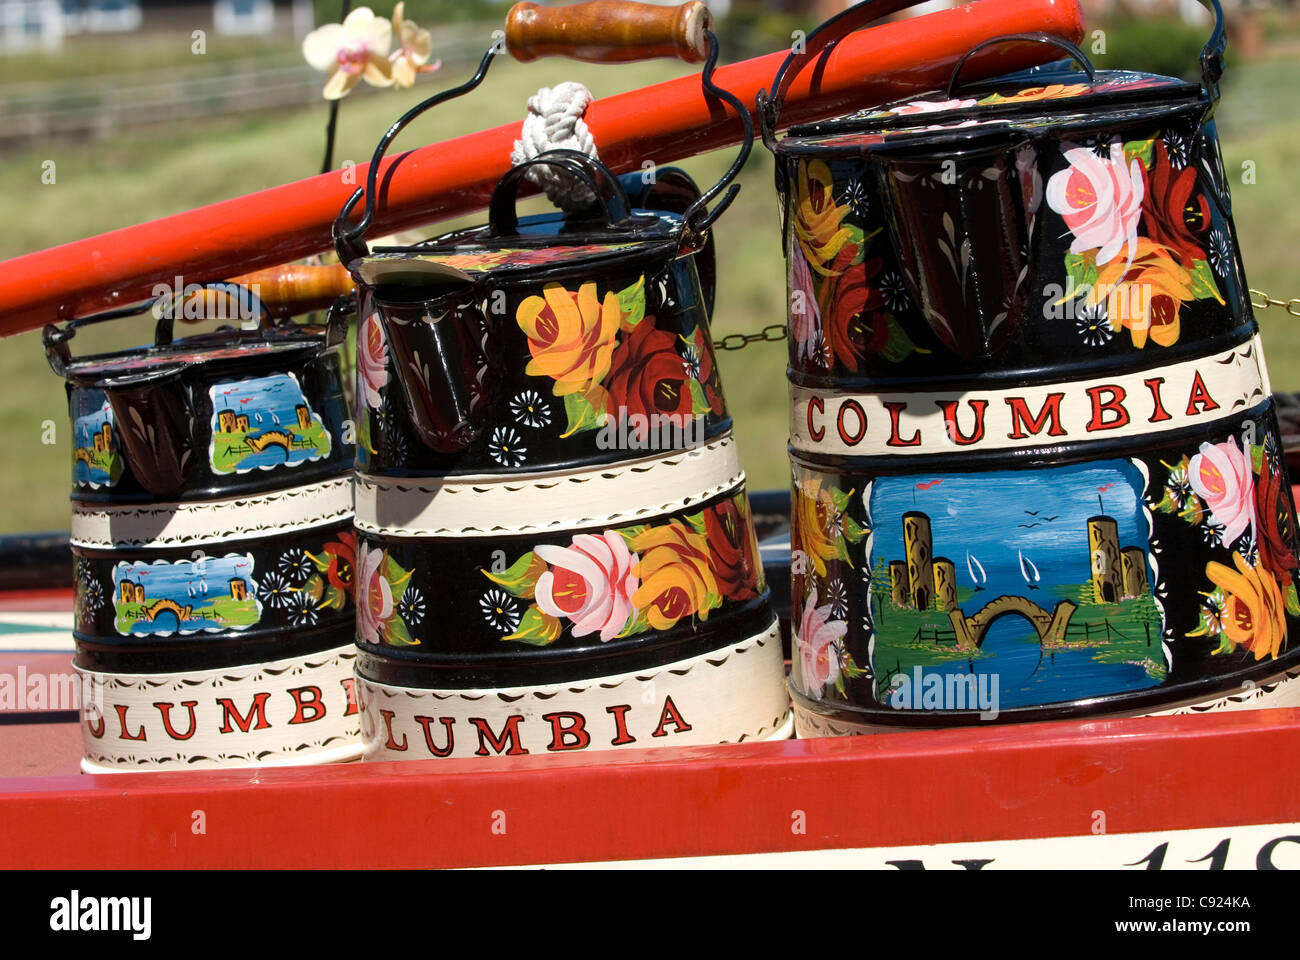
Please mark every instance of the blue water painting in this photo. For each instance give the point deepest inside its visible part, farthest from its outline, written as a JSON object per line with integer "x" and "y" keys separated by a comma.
{"x": 263, "y": 423}
{"x": 96, "y": 459}
{"x": 1048, "y": 587}
{"x": 186, "y": 596}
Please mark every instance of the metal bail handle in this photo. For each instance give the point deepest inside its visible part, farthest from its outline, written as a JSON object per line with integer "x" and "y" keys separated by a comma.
{"x": 1212, "y": 55}
{"x": 55, "y": 339}
{"x": 1075, "y": 54}
{"x": 164, "y": 331}
{"x": 698, "y": 218}
{"x": 349, "y": 238}
{"x": 816, "y": 43}
{"x": 611, "y": 200}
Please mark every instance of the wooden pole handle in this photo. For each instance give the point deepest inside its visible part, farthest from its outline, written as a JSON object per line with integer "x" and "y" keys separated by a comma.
{"x": 285, "y": 291}
{"x": 609, "y": 31}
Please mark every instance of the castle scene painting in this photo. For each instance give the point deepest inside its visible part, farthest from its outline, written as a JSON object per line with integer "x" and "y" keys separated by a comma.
{"x": 1040, "y": 579}
{"x": 264, "y": 422}
{"x": 188, "y": 596}
{"x": 96, "y": 458}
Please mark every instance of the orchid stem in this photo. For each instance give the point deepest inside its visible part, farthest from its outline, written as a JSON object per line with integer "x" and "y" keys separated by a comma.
{"x": 328, "y": 163}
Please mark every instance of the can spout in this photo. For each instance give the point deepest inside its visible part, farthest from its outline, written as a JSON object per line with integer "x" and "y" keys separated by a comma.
{"x": 155, "y": 420}
{"x": 960, "y": 224}
{"x": 442, "y": 358}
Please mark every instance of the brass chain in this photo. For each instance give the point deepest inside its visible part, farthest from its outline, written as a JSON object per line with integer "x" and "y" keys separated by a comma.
{"x": 776, "y": 332}
{"x": 772, "y": 333}
{"x": 1262, "y": 301}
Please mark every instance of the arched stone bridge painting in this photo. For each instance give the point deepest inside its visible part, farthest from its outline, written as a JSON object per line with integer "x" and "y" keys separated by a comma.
{"x": 1042, "y": 577}
{"x": 262, "y": 423}
{"x": 186, "y": 596}
{"x": 1052, "y": 628}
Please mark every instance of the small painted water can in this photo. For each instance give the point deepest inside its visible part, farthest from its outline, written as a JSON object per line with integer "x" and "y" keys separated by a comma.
{"x": 213, "y": 548}
{"x": 1036, "y": 463}
{"x": 555, "y": 549}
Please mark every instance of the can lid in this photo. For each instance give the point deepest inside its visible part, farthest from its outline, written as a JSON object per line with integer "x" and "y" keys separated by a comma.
{"x": 236, "y": 346}
{"x": 1052, "y": 95}
{"x": 540, "y": 243}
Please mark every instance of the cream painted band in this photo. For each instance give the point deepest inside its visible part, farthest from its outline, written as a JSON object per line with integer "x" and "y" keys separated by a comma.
{"x": 211, "y": 521}
{"x": 736, "y": 693}
{"x": 560, "y": 500}
{"x": 1155, "y": 400}
{"x": 1278, "y": 692}
{"x": 284, "y": 713}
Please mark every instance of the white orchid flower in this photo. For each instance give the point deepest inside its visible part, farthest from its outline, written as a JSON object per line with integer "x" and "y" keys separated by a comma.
{"x": 352, "y": 50}
{"x": 416, "y": 46}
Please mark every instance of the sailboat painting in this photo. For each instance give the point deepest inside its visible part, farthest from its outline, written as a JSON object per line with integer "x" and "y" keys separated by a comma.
{"x": 1029, "y": 571}
{"x": 1054, "y": 599}
{"x": 262, "y": 423}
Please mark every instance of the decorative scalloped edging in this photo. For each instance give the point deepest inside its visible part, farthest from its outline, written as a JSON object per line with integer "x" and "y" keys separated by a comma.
{"x": 1282, "y": 691}
{"x": 262, "y": 515}
{"x": 618, "y": 480}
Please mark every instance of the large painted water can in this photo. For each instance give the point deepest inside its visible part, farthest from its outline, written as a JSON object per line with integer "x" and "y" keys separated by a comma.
{"x": 1036, "y": 462}
{"x": 213, "y": 548}
{"x": 555, "y": 548}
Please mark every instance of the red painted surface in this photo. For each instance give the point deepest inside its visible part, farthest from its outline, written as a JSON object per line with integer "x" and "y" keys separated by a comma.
{"x": 995, "y": 783}
{"x": 665, "y": 122}
{"x": 39, "y": 750}
{"x": 34, "y": 600}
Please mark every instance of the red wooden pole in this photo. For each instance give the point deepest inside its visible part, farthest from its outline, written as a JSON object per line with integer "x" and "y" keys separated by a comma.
{"x": 661, "y": 123}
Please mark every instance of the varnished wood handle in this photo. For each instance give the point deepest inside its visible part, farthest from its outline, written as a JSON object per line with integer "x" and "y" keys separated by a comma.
{"x": 609, "y": 31}
{"x": 285, "y": 291}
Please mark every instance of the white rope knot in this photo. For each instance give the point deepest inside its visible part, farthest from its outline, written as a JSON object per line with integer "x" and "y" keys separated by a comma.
{"x": 554, "y": 122}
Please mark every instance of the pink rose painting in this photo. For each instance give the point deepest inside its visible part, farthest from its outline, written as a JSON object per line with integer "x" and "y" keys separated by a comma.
{"x": 1100, "y": 199}
{"x": 930, "y": 106}
{"x": 1031, "y": 181}
{"x": 590, "y": 582}
{"x": 372, "y": 360}
{"x": 805, "y": 314}
{"x": 1221, "y": 475}
{"x": 374, "y": 594}
{"x": 818, "y": 657}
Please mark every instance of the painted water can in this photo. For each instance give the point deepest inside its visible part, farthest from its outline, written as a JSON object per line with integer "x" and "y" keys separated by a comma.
{"x": 1036, "y": 462}
{"x": 555, "y": 549}
{"x": 213, "y": 547}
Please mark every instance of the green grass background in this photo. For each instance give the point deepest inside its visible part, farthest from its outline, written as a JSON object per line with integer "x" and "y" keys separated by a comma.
{"x": 132, "y": 177}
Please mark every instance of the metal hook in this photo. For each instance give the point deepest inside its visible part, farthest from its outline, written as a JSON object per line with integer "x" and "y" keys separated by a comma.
{"x": 697, "y": 219}
{"x": 348, "y": 240}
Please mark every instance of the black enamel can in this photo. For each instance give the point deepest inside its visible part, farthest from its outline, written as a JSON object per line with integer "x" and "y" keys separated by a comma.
{"x": 1036, "y": 463}
{"x": 213, "y": 546}
{"x": 555, "y": 550}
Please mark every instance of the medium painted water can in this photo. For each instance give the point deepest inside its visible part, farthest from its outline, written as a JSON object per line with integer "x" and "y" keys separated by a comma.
{"x": 555, "y": 549}
{"x": 1036, "y": 463}
{"x": 213, "y": 548}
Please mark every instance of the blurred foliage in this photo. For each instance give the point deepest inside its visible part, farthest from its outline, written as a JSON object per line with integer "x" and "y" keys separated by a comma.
{"x": 93, "y": 56}
{"x": 427, "y": 13}
{"x": 1164, "y": 45}
{"x": 750, "y": 31}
